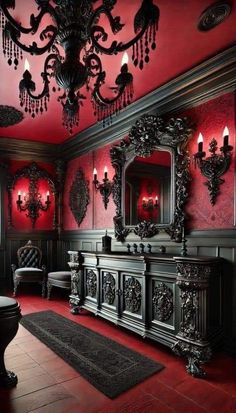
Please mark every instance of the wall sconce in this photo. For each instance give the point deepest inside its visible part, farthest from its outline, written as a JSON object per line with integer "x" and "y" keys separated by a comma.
{"x": 215, "y": 165}
{"x": 149, "y": 204}
{"x": 104, "y": 188}
{"x": 32, "y": 203}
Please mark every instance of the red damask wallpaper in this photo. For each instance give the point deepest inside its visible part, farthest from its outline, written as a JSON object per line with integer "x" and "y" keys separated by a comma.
{"x": 210, "y": 119}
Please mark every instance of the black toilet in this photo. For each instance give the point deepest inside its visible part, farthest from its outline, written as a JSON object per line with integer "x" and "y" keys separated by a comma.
{"x": 10, "y": 315}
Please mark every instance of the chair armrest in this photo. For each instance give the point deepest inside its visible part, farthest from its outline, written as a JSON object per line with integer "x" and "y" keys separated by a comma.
{"x": 44, "y": 268}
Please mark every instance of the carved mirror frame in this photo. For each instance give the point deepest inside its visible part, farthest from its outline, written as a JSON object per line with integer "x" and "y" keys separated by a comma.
{"x": 149, "y": 133}
{"x": 79, "y": 196}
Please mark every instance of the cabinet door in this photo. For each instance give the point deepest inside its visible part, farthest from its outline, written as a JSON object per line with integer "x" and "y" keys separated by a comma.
{"x": 133, "y": 309}
{"x": 163, "y": 308}
{"x": 109, "y": 294}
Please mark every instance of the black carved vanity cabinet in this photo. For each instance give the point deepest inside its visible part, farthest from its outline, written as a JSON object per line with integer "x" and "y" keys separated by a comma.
{"x": 173, "y": 300}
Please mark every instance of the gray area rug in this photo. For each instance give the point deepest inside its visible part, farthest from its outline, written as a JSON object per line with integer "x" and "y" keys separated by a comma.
{"x": 107, "y": 365}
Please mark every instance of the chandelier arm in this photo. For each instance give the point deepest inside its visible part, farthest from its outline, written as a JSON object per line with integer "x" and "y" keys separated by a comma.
{"x": 115, "y": 46}
{"x": 114, "y": 24}
{"x": 34, "y": 49}
{"x": 46, "y": 81}
{"x": 34, "y": 20}
{"x": 99, "y": 99}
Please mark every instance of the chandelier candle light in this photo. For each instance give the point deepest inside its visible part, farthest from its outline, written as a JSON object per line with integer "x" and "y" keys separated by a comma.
{"x": 215, "y": 165}
{"x": 75, "y": 28}
{"x": 105, "y": 187}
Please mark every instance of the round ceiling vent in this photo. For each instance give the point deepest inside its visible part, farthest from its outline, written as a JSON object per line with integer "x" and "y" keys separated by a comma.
{"x": 9, "y": 116}
{"x": 214, "y": 15}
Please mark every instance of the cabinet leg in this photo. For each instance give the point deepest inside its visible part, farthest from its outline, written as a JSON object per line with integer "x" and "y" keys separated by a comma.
{"x": 196, "y": 356}
{"x": 75, "y": 304}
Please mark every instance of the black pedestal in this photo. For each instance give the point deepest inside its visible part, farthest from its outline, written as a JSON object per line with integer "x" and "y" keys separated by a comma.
{"x": 10, "y": 315}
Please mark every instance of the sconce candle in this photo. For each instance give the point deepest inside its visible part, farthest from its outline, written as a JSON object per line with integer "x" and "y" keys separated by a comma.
{"x": 95, "y": 174}
{"x": 32, "y": 203}
{"x": 104, "y": 188}
{"x": 200, "y": 142}
{"x": 215, "y": 165}
{"x": 156, "y": 201}
{"x": 226, "y": 136}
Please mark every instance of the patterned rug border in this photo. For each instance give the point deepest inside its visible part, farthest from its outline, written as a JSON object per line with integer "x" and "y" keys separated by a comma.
{"x": 83, "y": 349}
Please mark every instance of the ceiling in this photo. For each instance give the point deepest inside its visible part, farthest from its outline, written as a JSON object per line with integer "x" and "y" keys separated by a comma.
{"x": 180, "y": 46}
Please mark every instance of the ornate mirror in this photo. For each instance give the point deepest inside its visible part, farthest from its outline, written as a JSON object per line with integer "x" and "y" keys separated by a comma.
{"x": 151, "y": 177}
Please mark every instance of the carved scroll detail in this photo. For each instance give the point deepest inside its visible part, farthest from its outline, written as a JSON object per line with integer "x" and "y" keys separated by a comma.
{"x": 109, "y": 284}
{"x": 91, "y": 283}
{"x": 162, "y": 300}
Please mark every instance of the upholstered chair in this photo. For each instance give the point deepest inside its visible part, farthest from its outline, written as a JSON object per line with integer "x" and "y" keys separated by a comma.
{"x": 61, "y": 279}
{"x": 29, "y": 269}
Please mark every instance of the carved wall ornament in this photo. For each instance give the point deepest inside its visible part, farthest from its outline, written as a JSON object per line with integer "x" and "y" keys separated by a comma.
{"x": 215, "y": 14}
{"x": 146, "y": 229}
{"x": 91, "y": 283}
{"x": 9, "y": 116}
{"x": 79, "y": 196}
{"x": 109, "y": 284}
{"x": 33, "y": 173}
{"x": 162, "y": 300}
{"x": 132, "y": 295}
{"x": 149, "y": 133}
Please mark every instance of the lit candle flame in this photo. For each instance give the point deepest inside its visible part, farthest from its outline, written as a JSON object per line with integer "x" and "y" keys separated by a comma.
{"x": 200, "y": 138}
{"x": 105, "y": 170}
{"x": 125, "y": 59}
{"x": 27, "y": 65}
{"x": 226, "y": 131}
{"x": 95, "y": 171}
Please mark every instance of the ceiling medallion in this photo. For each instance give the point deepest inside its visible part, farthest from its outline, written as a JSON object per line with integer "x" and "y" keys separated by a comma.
{"x": 9, "y": 116}
{"x": 77, "y": 27}
{"x": 214, "y": 15}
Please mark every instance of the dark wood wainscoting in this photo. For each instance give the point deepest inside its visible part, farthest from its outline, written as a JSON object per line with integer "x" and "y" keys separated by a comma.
{"x": 216, "y": 243}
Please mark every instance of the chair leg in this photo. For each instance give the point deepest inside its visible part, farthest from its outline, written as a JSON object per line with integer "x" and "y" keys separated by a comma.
{"x": 16, "y": 283}
{"x": 44, "y": 289}
{"x": 49, "y": 286}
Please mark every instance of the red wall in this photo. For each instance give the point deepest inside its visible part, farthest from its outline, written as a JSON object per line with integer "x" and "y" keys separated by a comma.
{"x": 210, "y": 119}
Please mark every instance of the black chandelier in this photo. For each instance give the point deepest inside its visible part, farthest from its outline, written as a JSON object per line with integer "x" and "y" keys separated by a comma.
{"x": 76, "y": 29}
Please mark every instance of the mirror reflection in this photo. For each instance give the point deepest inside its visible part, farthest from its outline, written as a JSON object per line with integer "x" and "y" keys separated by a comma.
{"x": 147, "y": 193}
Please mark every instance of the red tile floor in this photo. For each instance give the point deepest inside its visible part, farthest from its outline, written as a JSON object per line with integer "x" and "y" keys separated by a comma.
{"x": 46, "y": 384}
